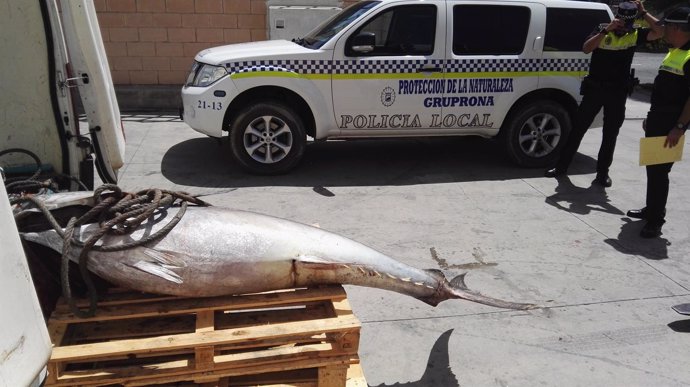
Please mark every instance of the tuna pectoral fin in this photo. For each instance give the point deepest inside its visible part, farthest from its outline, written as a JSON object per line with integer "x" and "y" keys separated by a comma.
{"x": 163, "y": 264}
{"x": 158, "y": 270}
{"x": 460, "y": 290}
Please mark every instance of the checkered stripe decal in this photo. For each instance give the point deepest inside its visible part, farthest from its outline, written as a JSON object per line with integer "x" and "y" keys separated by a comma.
{"x": 565, "y": 65}
{"x": 310, "y": 67}
{"x": 382, "y": 66}
{"x": 493, "y": 65}
{"x": 297, "y": 66}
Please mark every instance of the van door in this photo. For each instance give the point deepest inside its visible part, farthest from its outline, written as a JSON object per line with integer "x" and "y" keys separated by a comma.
{"x": 493, "y": 60}
{"x": 24, "y": 343}
{"x": 36, "y": 114}
{"x": 387, "y": 68}
{"x": 90, "y": 66}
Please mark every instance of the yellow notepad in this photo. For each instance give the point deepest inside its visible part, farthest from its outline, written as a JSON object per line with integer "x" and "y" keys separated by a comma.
{"x": 652, "y": 151}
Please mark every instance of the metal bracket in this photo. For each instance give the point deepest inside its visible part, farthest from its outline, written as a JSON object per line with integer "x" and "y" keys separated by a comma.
{"x": 71, "y": 82}
{"x": 84, "y": 142}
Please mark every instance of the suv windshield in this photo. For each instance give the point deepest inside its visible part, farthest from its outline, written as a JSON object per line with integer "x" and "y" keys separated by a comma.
{"x": 325, "y": 32}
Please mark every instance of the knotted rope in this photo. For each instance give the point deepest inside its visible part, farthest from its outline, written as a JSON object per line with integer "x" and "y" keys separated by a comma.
{"x": 117, "y": 213}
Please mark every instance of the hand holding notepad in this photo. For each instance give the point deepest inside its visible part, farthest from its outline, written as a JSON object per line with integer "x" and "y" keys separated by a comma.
{"x": 652, "y": 151}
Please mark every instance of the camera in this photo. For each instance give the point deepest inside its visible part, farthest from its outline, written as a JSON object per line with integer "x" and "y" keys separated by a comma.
{"x": 628, "y": 25}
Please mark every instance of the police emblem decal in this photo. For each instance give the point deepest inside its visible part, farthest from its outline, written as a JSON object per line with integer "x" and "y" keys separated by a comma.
{"x": 387, "y": 96}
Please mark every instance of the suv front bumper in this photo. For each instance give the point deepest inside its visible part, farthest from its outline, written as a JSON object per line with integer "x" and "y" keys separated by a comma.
{"x": 204, "y": 108}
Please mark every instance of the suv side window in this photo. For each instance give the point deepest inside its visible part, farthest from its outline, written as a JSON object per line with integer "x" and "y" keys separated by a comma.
{"x": 490, "y": 29}
{"x": 568, "y": 28}
{"x": 403, "y": 30}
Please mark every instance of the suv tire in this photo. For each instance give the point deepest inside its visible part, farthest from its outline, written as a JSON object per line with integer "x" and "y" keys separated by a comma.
{"x": 535, "y": 132}
{"x": 267, "y": 138}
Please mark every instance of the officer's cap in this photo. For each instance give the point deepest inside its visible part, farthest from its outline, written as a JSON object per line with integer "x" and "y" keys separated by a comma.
{"x": 627, "y": 10}
{"x": 680, "y": 15}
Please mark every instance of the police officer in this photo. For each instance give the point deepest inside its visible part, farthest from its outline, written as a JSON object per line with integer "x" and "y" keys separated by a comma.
{"x": 669, "y": 115}
{"x": 612, "y": 46}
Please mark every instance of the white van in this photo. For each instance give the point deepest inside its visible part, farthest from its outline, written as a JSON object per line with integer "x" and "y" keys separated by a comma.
{"x": 509, "y": 69}
{"x": 52, "y": 48}
{"x": 49, "y": 48}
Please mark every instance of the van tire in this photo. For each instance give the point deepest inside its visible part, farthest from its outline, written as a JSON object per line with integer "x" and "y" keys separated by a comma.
{"x": 531, "y": 142}
{"x": 267, "y": 125}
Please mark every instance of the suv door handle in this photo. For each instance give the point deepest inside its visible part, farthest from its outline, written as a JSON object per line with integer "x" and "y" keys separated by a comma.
{"x": 537, "y": 43}
{"x": 429, "y": 69}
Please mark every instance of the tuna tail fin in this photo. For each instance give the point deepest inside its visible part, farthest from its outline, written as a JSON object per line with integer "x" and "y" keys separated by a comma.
{"x": 459, "y": 289}
{"x": 48, "y": 238}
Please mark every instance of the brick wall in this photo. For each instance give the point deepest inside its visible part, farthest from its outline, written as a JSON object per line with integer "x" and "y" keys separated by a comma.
{"x": 153, "y": 42}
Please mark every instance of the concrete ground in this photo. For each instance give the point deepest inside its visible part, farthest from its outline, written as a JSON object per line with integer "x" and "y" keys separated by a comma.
{"x": 458, "y": 205}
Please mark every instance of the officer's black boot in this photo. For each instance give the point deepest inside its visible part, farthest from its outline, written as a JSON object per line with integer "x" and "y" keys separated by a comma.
{"x": 603, "y": 180}
{"x": 640, "y": 214}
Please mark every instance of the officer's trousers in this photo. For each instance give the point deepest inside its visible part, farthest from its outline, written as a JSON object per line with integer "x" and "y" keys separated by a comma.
{"x": 658, "y": 124}
{"x": 597, "y": 96}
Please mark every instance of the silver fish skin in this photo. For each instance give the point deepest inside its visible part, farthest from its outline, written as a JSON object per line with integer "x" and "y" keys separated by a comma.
{"x": 215, "y": 251}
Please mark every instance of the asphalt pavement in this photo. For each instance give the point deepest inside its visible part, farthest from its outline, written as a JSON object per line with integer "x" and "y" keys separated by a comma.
{"x": 458, "y": 205}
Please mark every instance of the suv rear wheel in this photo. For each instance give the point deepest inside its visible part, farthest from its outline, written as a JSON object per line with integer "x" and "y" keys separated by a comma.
{"x": 268, "y": 138}
{"x": 535, "y": 133}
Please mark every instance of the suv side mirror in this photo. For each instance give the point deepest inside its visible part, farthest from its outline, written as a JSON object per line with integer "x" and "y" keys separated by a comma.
{"x": 364, "y": 42}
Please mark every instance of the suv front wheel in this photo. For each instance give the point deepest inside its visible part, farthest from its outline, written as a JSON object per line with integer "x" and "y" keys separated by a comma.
{"x": 267, "y": 138}
{"x": 535, "y": 133}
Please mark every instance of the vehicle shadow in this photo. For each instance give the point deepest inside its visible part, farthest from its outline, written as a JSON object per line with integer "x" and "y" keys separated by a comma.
{"x": 437, "y": 372}
{"x": 204, "y": 162}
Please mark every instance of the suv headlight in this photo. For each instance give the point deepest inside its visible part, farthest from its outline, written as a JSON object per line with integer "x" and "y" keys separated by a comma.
{"x": 206, "y": 75}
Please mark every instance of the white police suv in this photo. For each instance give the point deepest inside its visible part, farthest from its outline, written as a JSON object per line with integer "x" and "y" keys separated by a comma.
{"x": 509, "y": 69}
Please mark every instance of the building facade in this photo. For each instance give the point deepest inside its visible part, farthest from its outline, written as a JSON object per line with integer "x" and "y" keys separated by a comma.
{"x": 151, "y": 44}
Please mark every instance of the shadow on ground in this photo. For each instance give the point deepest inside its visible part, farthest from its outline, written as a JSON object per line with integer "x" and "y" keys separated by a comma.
{"x": 205, "y": 162}
{"x": 579, "y": 200}
{"x": 629, "y": 241}
{"x": 437, "y": 372}
{"x": 642, "y": 93}
{"x": 582, "y": 201}
{"x": 680, "y": 326}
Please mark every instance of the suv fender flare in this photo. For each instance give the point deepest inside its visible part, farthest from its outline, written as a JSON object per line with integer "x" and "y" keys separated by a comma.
{"x": 298, "y": 93}
{"x": 566, "y": 100}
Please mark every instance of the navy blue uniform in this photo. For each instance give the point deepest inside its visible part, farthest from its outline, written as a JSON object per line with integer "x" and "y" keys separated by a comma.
{"x": 671, "y": 91}
{"x": 606, "y": 87}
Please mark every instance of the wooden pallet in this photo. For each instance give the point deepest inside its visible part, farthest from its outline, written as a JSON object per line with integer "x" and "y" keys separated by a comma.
{"x": 307, "y": 337}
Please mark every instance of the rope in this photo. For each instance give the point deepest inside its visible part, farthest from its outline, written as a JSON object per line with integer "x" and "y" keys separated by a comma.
{"x": 117, "y": 213}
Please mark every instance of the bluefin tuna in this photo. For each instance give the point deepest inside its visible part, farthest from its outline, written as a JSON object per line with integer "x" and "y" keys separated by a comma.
{"x": 216, "y": 251}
